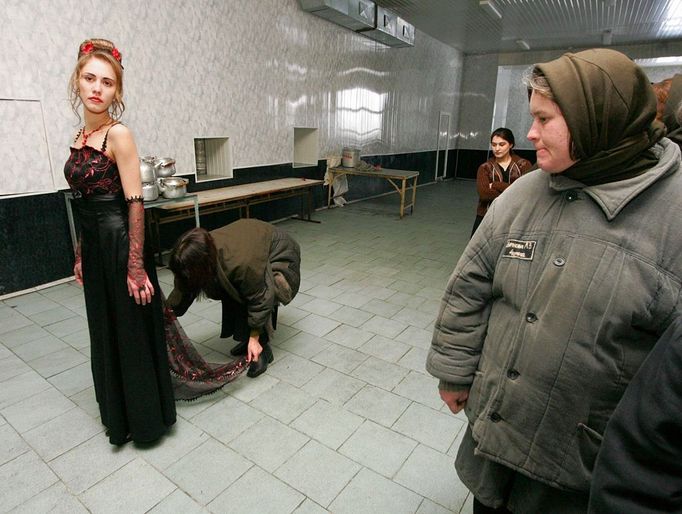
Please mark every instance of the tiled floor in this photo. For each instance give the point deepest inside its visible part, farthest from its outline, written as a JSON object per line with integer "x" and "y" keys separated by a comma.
{"x": 344, "y": 420}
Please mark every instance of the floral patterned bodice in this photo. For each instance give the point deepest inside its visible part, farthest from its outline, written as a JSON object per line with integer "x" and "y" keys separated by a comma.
{"x": 90, "y": 172}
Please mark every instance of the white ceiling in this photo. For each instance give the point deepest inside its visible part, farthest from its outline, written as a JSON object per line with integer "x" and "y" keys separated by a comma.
{"x": 542, "y": 24}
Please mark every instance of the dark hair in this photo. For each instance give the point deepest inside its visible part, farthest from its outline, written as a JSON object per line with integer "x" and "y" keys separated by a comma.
{"x": 193, "y": 261}
{"x": 505, "y": 134}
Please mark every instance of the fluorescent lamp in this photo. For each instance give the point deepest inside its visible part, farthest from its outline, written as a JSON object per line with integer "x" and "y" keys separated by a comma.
{"x": 522, "y": 44}
{"x": 490, "y": 7}
{"x": 606, "y": 37}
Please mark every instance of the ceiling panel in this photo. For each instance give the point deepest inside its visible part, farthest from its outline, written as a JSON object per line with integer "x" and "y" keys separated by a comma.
{"x": 542, "y": 24}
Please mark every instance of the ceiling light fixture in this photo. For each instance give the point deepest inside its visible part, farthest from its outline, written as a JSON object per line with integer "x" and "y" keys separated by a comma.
{"x": 490, "y": 7}
{"x": 606, "y": 37}
{"x": 522, "y": 44}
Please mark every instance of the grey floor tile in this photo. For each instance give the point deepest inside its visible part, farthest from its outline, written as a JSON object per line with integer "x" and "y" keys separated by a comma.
{"x": 257, "y": 491}
{"x": 420, "y": 388}
{"x": 15, "y": 389}
{"x": 5, "y": 352}
{"x": 57, "y": 362}
{"x": 355, "y": 300}
{"x": 384, "y": 327}
{"x": 378, "y": 292}
{"x": 284, "y": 402}
{"x": 40, "y": 347}
{"x": 310, "y": 507}
{"x": 381, "y": 308}
{"x": 290, "y": 315}
{"x": 429, "y": 507}
{"x": 320, "y": 306}
{"x": 56, "y": 499}
{"x": 144, "y": 487}
{"x": 227, "y": 418}
{"x": 22, "y": 478}
{"x": 62, "y": 291}
{"x": 303, "y": 344}
{"x": 324, "y": 291}
{"x": 318, "y": 472}
{"x": 284, "y": 332}
{"x": 415, "y": 336}
{"x": 13, "y": 322}
{"x": 208, "y": 470}
{"x": 86, "y": 400}
{"x": 351, "y": 316}
{"x": 53, "y": 316}
{"x": 340, "y": 358}
{"x": 182, "y": 438}
{"x": 79, "y": 339}
{"x": 414, "y": 359}
{"x": 294, "y": 370}
{"x": 349, "y": 336}
{"x": 378, "y": 405}
{"x": 23, "y": 335}
{"x": 246, "y": 389}
{"x": 189, "y": 410}
{"x": 432, "y": 474}
{"x": 202, "y": 330}
{"x": 73, "y": 380}
{"x": 333, "y": 386}
{"x": 415, "y": 318}
{"x": 268, "y": 443}
{"x": 91, "y": 461}
{"x": 62, "y": 433}
{"x": 37, "y": 409}
{"x": 178, "y": 503}
{"x": 40, "y": 304}
{"x": 380, "y": 373}
{"x": 316, "y": 325}
{"x": 328, "y": 423}
{"x": 385, "y": 348}
{"x": 11, "y": 444}
{"x": 370, "y": 493}
{"x": 429, "y": 426}
{"x": 378, "y": 448}
{"x": 12, "y": 366}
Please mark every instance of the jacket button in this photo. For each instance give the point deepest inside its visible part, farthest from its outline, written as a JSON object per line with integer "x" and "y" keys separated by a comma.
{"x": 513, "y": 374}
{"x": 559, "y": 261}
{"x": 495, "y": 417}
{"x": 571, "y": 196}
{"x": 531, "y": 318}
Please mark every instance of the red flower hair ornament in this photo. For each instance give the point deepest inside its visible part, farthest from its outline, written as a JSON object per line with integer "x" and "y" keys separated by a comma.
{"x": 88, "y": 48}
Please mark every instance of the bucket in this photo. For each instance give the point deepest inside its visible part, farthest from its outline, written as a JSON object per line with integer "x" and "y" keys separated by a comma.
{"x": 350, "y": 157}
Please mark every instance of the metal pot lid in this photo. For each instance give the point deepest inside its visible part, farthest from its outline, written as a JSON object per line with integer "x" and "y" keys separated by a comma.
{"x": 163, "y": 162}
{"x": 175, "y": 181}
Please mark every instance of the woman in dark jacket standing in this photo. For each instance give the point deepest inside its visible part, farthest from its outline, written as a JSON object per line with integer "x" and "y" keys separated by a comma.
{"x": 252, "y": 267}
{"x": 497, "y": 173}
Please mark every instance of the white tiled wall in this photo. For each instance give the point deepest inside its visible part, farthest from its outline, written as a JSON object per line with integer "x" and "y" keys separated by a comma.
{"x": 249, "y": 70}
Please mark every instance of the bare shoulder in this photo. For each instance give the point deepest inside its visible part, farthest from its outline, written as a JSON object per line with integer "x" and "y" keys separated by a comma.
{"x": 121, "y": 141}
{"x": 120, "y": 132}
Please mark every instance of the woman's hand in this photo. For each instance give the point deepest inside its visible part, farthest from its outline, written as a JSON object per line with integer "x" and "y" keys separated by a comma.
{"x": 78, "y": 271}
{"x": 142, "y": 291}
{"x": 253, "y": 349}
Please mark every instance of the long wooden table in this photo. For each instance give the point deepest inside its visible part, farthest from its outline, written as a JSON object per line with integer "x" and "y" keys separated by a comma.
{"x": 391, "y": 175}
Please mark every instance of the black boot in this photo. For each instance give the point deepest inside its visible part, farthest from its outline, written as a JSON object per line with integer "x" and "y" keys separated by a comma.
{"x": 240, "y": 349}
{"x": 258, "y": 367}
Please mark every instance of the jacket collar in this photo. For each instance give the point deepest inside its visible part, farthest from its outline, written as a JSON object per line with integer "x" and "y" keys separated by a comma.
{"x": 612, "y": 197}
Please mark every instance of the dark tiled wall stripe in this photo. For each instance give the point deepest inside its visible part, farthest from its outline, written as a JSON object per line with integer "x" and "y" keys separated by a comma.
{"x": 35, "y": 245}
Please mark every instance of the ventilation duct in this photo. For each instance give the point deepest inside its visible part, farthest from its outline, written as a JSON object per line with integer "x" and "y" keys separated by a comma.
{"x": 390, "y": 29}
{"x": 352, "y": 14}
{"x": 364, "y": 17}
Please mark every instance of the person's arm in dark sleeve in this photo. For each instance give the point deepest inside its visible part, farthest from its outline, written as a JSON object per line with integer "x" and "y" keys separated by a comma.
{"x": 639, "y": 466}
{"x": 487, "y": 190}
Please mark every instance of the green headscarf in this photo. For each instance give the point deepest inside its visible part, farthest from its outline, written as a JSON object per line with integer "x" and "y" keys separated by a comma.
{"x": 610, "y": 110}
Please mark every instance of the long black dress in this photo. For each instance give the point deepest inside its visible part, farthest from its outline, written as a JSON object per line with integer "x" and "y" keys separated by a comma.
{"x": 128, "y": 351}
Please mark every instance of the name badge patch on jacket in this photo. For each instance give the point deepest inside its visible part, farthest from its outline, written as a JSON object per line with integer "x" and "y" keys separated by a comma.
{"x": 516, "y": 249}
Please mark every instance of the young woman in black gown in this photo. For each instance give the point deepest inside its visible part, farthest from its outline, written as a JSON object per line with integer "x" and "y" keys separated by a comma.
{"x": 123, "y": 302}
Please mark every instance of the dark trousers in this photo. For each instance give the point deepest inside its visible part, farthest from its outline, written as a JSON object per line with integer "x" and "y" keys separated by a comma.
{"x": 479, "y": 508}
